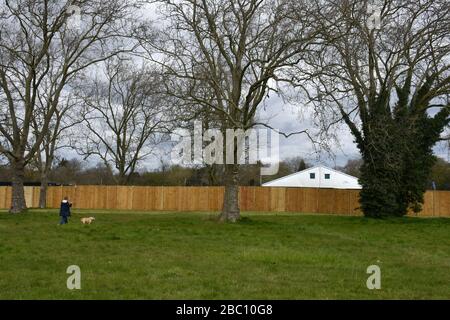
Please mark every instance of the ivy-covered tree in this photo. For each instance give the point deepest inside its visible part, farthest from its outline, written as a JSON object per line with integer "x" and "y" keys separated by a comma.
{"x": 383, "y": 68}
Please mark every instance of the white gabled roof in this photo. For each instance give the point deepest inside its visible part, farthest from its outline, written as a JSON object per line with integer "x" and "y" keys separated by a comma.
{"x": 302, "y": 179}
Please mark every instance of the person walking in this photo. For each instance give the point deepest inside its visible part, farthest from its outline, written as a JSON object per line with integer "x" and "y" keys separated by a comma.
{"x": 64, "y": 211}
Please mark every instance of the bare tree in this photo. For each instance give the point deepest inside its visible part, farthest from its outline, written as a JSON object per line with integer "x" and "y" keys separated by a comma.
{"x": 382, "y": 67}
{"x": 352, "y": 167}
{"x": 56, "y": 138}
{"x": 41, "y": 42}
{"x": 296, "y": 164}
{"x": 225, "y": 56}
{"x": 123, "y": 117}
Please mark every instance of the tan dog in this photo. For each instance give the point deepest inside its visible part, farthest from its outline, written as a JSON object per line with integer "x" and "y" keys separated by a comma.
{"x": 87, "y": 220}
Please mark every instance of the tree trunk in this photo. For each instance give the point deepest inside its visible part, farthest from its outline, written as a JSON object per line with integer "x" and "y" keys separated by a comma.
{"x": 122, "y": 179}
{"x": 43, "y": 191}
{"x": 231, "y": 210}
{"x": 18, "y": 203}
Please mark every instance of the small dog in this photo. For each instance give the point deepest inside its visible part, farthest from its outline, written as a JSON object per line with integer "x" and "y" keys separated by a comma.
{"x": 87, "y": 220}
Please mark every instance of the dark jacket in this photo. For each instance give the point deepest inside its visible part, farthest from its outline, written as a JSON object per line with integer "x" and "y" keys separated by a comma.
{"x": 65, "y": 209}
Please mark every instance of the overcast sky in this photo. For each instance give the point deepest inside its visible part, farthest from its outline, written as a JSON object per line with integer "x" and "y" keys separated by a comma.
{"x": 290, "y": 118}
{"x": 287, "y": 118}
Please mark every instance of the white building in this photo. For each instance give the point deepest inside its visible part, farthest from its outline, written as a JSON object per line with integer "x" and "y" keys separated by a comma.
{"x": 316, "y": 177}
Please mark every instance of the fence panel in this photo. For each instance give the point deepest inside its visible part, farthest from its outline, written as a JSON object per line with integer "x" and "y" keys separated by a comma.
{"x": 307, "y": 200}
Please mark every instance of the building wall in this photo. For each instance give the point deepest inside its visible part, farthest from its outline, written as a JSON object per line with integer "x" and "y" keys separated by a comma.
{"x": 337, "y": 180}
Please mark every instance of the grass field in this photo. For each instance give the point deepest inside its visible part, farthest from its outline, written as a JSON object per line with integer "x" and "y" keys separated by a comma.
{"x": 191, "y": 256}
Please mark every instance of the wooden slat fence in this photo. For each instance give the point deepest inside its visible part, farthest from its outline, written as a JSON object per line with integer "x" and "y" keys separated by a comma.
{"x": 263, "y": 199}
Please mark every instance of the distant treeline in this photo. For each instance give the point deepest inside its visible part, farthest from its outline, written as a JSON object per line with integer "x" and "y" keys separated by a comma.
{"x": 77, "y": 172}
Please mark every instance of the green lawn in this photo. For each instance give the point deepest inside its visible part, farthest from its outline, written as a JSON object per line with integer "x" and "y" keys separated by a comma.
{"x": 191, "y": 256}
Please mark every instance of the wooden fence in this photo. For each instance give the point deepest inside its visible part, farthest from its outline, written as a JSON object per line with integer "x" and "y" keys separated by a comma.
{"x": 307, "y": 200}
